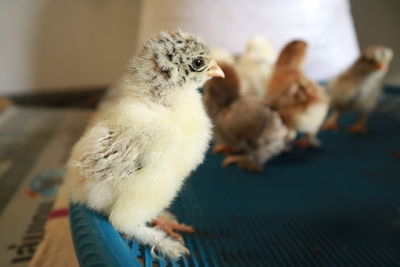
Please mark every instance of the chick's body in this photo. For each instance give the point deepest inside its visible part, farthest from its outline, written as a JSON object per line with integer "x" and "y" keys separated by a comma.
{"x": 358, "y": 88}
{"x": 243, "y": 123}
{"x": 301, "y": 103}
{"x": 255, "y": 66}
{"x": 139, "y": 149}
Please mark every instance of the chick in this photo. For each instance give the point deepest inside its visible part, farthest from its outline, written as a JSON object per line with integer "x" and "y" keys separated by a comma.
{"x": 301, "y": 103}
{"x": 135, "y": 155}
{"x": 244, "y": 126}
{"x": 358, "y": 88}
{"x": 255, "y": 66}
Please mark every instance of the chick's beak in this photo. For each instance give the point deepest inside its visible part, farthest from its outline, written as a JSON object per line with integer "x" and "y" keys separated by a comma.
{"x": 215, "y": 70}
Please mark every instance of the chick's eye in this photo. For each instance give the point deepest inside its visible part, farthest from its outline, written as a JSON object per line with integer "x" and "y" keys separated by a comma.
{"x": 198, "y": 63}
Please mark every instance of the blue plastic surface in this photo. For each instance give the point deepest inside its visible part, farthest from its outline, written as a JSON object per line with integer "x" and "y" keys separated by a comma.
{"x": 334, "y": 206}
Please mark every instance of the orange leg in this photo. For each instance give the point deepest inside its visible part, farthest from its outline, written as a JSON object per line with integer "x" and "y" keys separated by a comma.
{"x": 307, "y": 141}
{"x": 303, "y": 142}
{"x": 359, "y": 125}
{"x": 332, "y": 122}
{"x": 226, "y": 150}
{"x": 169, "y": 226}
{"x": 243, "y": 162}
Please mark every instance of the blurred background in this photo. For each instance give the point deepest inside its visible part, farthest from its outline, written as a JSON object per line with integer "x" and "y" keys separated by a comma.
{"x": 65, "y": 45}
{"x": 66, "y": 53}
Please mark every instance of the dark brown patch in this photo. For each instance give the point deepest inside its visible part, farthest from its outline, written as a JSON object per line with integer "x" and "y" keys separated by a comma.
{"x": 109, "y": 154}
{"x": 104, "y": 169}
{"x": 170, "y": 57}
{"x": 106, "y": 138}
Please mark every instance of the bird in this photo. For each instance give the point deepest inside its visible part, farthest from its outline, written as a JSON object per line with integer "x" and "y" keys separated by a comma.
{"x": 245, "y": 129}
{"x": 358, "y": 88}
{"x": 301, "y": 103}
{"x": 136, "y": 153}
{"x": 255, "y": 65}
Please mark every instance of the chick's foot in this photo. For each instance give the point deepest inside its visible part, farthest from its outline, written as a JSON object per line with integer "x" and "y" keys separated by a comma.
{"x": 357, "y": 128}
{"x": 307, "y": 141}
{"x": 332, "y": 122}
{"x": 330, "y": 125}
{"x": 243, "y": 162}
{"x": 169, "y": 226}
{"x": 226, "y": 150}
{"x": 302, "y": 143}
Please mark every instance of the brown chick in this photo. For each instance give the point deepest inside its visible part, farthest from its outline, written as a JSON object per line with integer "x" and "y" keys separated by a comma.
{"x": 301, "y": 103}
{"x": 243, "y": 125}
{"x": 358, "y": 88}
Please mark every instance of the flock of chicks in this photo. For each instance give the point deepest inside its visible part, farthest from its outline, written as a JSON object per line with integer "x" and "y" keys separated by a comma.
{"x": 153, "y": 130}
{"x": 262, "y": 105}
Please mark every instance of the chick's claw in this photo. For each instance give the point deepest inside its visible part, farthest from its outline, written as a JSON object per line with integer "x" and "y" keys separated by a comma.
{"x": 333, "y": 126}
{"x": 172, "y": 249}
{"x": 307, "y": 141}
{"x": 357, "y": 128}
{"x": 332, "y": 122}
{"x": 243, "y": 162}
{"x": 170, "y": 226}
{"x": 226, "y": 150}
{"x": 302, "y": 143}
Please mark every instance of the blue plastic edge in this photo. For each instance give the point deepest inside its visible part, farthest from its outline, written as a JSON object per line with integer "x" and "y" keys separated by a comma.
{"x": 96, "y": 242}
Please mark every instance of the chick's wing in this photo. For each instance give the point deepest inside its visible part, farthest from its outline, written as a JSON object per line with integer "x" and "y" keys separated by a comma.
{"x": 106, "y": 154}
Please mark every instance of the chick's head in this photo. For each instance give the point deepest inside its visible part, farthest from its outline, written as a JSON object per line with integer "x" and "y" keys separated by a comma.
{"x": 260, "y": 47}
{"x": 293, "y": 55}
{"x": 376, "y": 58}
{"x": 175, "y": 60}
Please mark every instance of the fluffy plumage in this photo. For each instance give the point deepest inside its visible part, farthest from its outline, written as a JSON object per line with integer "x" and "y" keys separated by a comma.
{"x": 358, "y": 88}
{"x": 255, "y": 66}
{"x": 301, "y": 103}
{"x": 243, "y": 125}
{"x": 135, "y": 155}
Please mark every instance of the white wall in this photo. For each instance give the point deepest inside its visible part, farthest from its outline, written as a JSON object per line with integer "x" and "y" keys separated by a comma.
{"x": 326, "y": 25}
{"x": 50, "y": 45}
{"x": 59, "y": 44}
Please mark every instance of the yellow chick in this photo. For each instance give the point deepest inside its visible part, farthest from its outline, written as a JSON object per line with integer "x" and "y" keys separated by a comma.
{"x": 255, "y": 66}
{"x": 135, "y": 155}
